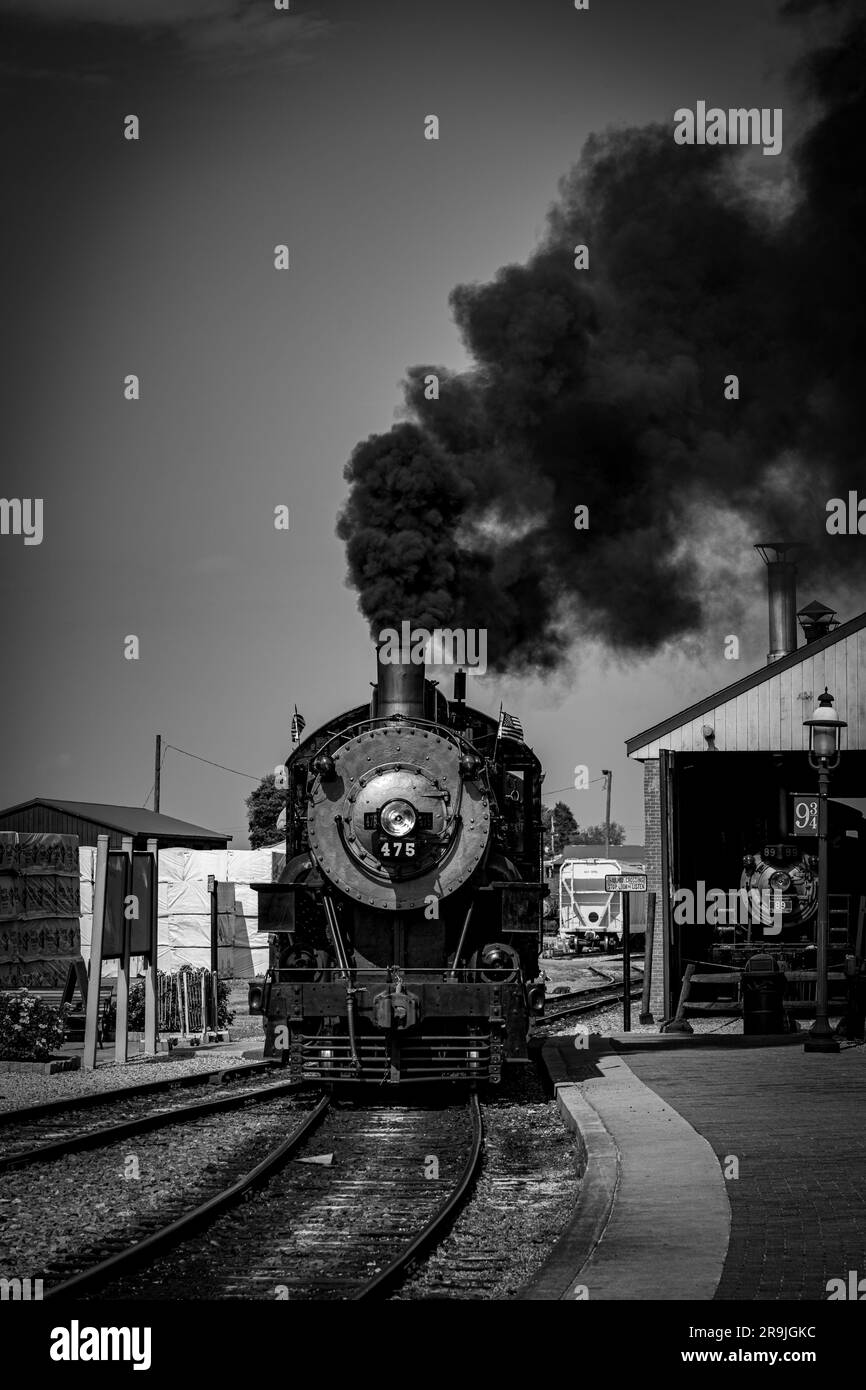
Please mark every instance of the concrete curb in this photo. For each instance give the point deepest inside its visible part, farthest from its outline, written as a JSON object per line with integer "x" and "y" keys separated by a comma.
{"x": 599, "y": 1162}
{"x": 636, "y": 1042}
{"x": 653, "y": 1218}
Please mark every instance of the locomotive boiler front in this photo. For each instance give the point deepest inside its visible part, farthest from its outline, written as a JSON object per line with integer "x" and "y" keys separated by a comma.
{"x": 397, "y": 816}
{"x": 781, "y": 887}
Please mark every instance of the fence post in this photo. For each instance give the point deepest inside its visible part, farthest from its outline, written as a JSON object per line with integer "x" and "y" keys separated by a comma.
{"x": 88, "y": 1060}
{"x": 151, "y": 1013}
{"x": 121, "y": 1034}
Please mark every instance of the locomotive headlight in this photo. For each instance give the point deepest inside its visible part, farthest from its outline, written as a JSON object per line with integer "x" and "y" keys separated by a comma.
{"x": 398, "y": 818}
{"x": 781, "y": 882}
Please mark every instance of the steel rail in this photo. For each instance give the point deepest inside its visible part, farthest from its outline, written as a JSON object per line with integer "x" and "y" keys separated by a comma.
{"x": 146, "y": 1250}
{"x": 575, "y": 996}
{"x": 122, "y": 1129}
{"x": 93, "y": 1098}
{"x": 587, "y": 1007}
{"x": 438, "y": 1224}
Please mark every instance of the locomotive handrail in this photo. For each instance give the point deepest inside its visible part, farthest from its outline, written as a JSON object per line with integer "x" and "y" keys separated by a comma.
{"x": 351, "y": 731}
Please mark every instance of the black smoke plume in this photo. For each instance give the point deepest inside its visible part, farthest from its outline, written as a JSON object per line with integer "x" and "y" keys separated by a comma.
{"x": 605, "y": 388}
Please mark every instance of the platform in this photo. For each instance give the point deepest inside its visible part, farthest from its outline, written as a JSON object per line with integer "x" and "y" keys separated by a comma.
{"x": 709, "y": 1172}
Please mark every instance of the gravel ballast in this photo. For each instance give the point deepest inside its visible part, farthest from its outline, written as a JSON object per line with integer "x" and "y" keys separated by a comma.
{"x": 73, "y": 1210}
{"x": 18, "y": 1089}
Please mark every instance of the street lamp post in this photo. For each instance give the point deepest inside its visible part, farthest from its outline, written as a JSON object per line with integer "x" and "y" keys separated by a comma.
{"x": 608, "y": 778}
{"x": 824, "y": 730}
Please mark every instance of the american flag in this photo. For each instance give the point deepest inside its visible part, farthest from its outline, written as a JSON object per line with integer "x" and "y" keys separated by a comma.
{"x": 299, "y": 724}
{"x": 509, "y": 724}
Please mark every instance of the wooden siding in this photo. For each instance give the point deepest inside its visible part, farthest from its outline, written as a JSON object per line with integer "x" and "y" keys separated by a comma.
{"x": 769, "y": 717}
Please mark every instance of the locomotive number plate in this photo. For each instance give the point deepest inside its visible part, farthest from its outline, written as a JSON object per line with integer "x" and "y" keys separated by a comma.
{"x": 783, "y": 904}
{"x": 396, "y": 849}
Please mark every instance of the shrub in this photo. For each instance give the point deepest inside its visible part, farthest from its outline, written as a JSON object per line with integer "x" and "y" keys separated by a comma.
{"x": 30, "y": 1029}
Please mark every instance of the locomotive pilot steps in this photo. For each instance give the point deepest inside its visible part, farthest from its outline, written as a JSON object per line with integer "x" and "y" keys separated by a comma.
{"x": 405, "y": 929}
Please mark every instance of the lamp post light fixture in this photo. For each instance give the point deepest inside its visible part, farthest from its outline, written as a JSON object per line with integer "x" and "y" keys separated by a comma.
{"x": 824, "y": 728}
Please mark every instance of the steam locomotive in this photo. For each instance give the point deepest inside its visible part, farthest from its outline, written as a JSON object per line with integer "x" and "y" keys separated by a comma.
{"x": 405, "y": 929}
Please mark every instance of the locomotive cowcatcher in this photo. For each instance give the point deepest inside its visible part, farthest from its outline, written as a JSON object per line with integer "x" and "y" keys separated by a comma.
{"x": 405, "y": 929}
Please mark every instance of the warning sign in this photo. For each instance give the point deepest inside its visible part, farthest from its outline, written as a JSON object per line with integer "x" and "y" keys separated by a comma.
{"x": 625, "y": 883}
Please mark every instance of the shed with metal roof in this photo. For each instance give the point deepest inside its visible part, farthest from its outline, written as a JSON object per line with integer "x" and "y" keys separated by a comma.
{"x": 88, "y": 819}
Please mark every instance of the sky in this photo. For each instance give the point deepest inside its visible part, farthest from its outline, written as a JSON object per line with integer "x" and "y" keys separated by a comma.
{"x": 156, "y": 257}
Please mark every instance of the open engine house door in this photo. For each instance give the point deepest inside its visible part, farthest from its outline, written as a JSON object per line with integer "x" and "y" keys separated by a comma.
{"x": 672, "y": 956}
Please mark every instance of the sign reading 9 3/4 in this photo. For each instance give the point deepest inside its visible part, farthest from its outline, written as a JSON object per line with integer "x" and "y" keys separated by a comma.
{"x": 805, "y": 818}
{"x": 625, "y": 883}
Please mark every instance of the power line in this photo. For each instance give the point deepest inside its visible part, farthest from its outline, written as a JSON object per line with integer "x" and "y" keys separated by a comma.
{"x": 572, "y": 788}
{"x": 209, "y": 761}
{"x": 253, "y": 777}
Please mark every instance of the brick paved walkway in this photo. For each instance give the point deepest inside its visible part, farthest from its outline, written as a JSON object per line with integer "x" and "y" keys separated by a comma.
{"x": 797, "y": 1125}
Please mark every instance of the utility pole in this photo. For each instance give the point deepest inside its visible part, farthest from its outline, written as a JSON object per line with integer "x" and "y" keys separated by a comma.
{"x": 156, "y": 771}
{"x": 608, "y": 778}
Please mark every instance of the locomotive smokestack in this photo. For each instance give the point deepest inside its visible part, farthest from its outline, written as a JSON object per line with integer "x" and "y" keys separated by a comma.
{"x": 782, "y": 596}
{"x": 400, "y": 688}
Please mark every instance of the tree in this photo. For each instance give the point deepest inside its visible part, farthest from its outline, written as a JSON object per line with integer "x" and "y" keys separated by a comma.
{"x": 565, "y": 828}
{"x": 594, "y": 835}
{"x": 263, "y": 807}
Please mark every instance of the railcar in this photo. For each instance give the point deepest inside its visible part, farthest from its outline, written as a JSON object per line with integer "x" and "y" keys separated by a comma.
{"x": 591, "y": 917}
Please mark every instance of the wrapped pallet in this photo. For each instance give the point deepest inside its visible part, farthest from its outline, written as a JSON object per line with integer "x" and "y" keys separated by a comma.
{"x": 39, "y": 909}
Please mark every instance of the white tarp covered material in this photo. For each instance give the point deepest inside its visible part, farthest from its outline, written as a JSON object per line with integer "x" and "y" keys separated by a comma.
{"x": 185, "y": 906}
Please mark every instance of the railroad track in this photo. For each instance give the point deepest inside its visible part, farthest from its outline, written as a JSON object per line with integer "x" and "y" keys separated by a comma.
{"x": 373, "y": 1189}
{"x": 592, "y": 992}
{"x": 116, "y": 1257}
{"x": 92, "y": 1099}
{"x": 586, "y": 1002}
{"x": 47, "y": 1138}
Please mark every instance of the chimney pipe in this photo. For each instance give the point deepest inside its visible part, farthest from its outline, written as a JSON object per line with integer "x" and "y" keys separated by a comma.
{"x": 400, "y": 688}
{"x": 782, "y": 596}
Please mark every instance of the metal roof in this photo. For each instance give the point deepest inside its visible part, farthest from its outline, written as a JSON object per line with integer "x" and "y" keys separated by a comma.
{"x": 747, "y": 683}
{"x": 129, "y": 820}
